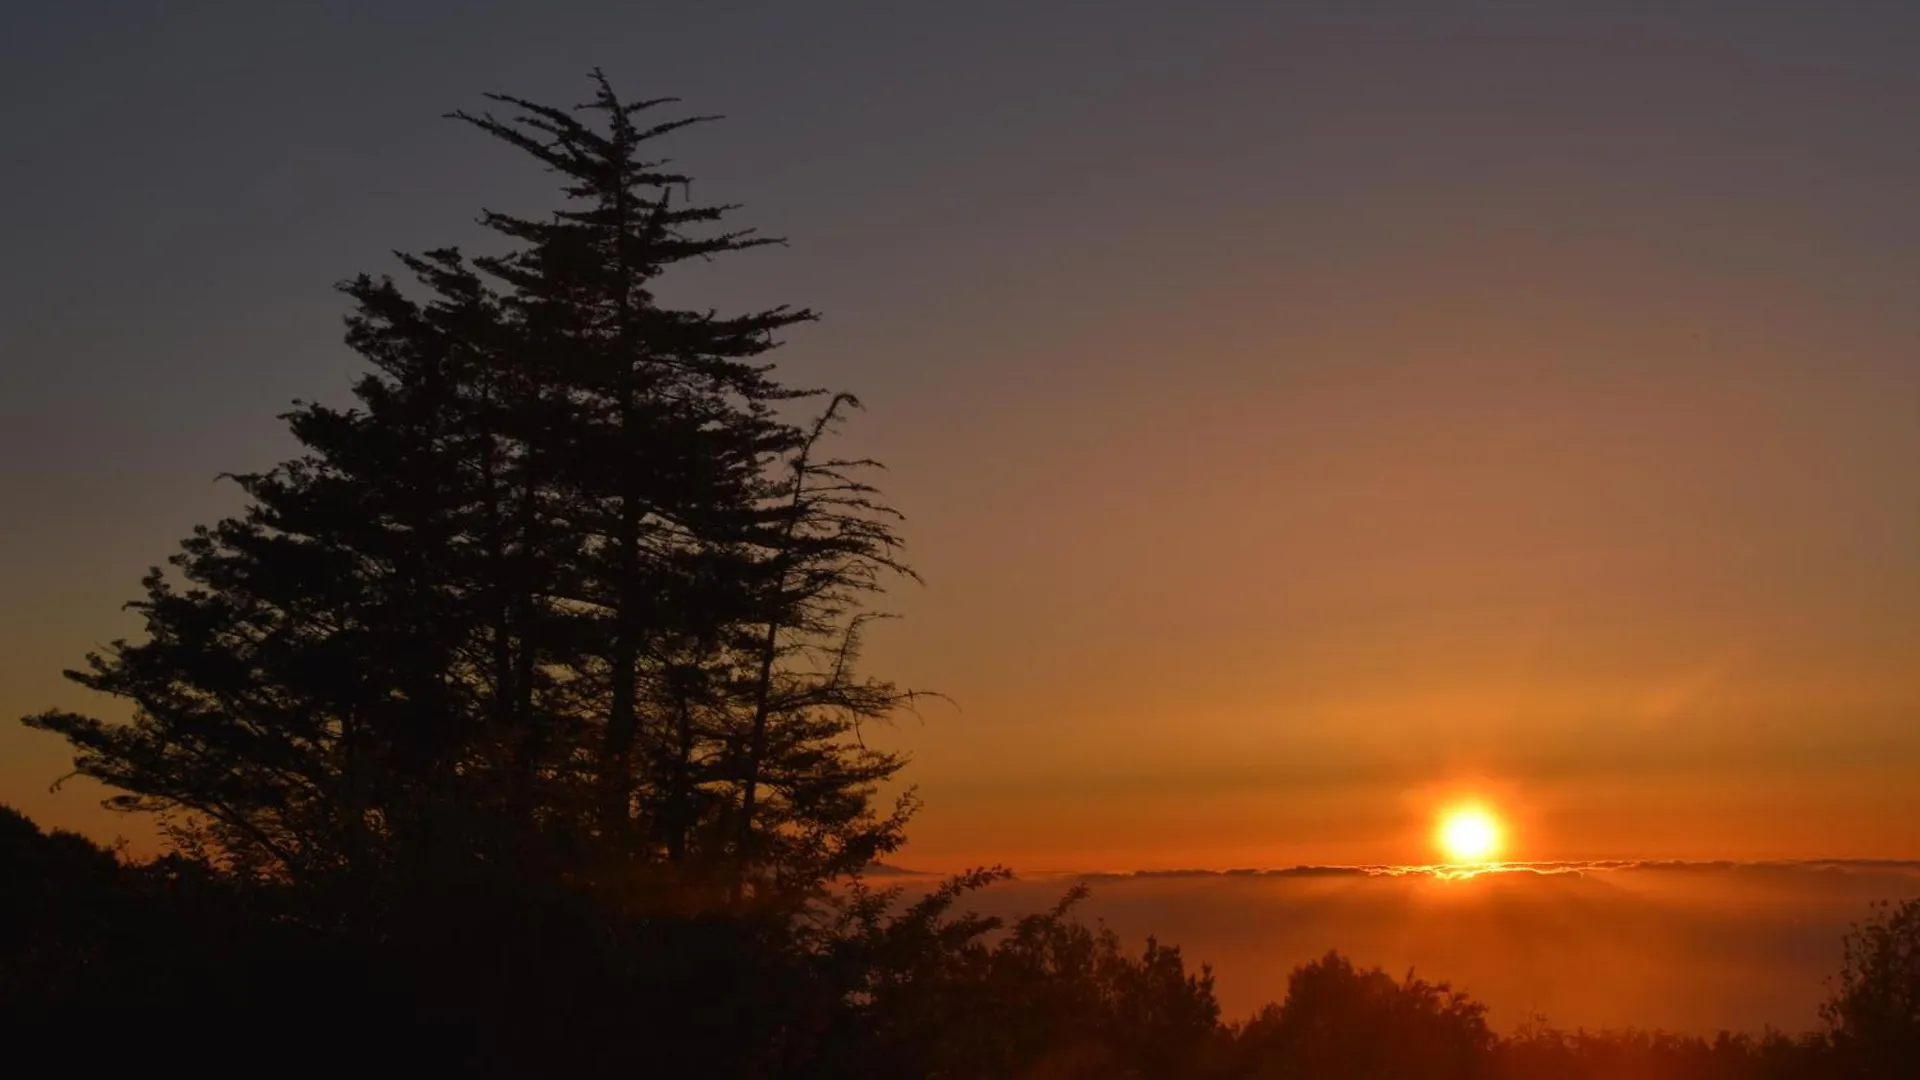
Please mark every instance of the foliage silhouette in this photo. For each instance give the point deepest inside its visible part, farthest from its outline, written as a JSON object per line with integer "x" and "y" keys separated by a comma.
{"x": 528, "y": 693}
{"x": 945, "y": 994}
{"x": 1874, "y": 1005}
{"x": 886, "y": 988}
{"x": 1537, "y": 1050}
{"x": 1363, "y": 1024}
{"x": 566, "y": 595}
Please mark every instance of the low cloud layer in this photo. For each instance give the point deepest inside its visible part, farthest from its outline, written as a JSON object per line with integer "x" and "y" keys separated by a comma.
{"x": 1690, "y": 946}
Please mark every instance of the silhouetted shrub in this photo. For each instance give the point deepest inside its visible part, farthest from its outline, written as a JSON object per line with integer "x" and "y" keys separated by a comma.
{"x": 1340, "y": 1021}
{"x": 949, "y": 995}
{"x": 1538, "y": 1051}
{"x": 1874, "y": 1007}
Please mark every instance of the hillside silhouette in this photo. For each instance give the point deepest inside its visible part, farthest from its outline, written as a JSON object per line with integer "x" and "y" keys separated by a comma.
{"x": 515, "y": 725}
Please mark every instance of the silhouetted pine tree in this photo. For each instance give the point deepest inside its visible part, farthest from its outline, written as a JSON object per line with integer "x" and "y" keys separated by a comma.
{"x": 569, "y": 593}
{"x": 722, "y": 552}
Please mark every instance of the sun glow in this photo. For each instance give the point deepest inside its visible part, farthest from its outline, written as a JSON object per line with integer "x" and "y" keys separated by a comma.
{"x": 1468, "y": 834}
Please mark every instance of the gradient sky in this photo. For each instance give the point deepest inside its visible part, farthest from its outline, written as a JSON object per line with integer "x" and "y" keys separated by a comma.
{"x": 1306, "y": 413}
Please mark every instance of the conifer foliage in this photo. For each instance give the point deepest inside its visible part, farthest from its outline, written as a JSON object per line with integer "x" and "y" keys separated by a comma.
{"x": 574, "y": 590}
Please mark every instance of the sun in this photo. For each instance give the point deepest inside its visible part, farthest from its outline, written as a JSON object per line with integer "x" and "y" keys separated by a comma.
{"x": 1469, "y": 834}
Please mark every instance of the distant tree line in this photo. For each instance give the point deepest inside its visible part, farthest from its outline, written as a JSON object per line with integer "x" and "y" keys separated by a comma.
{"x": 515, "y": 725}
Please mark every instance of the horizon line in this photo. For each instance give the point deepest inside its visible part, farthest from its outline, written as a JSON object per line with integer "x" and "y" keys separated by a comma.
{"x": 1543, "y": 867}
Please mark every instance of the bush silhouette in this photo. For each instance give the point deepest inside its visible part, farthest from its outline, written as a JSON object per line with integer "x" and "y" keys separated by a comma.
{"x": 1874, "y": 1007}
{"x": 1341, "y": 1021}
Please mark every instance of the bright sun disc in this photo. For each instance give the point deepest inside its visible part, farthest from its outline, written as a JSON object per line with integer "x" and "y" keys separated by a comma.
{"x": 1469, "y": 835}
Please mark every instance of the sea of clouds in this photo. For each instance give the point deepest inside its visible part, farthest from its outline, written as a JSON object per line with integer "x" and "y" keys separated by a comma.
{"x": 1685, "y": 946}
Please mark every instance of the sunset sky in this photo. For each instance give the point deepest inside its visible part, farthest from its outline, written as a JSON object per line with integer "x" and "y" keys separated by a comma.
{"x": 1308, "y": 415}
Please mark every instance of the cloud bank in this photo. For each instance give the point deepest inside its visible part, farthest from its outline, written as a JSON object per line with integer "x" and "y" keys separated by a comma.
{"x": 1688, "y": 946}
